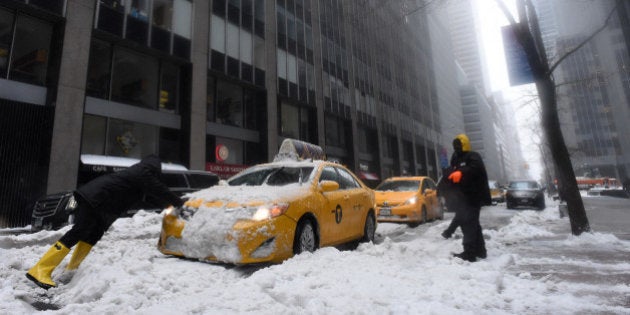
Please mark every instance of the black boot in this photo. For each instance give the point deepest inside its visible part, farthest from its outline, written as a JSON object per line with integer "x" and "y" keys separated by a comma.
{"x": 482, "y": 254}
{"x": 466, "y": 256}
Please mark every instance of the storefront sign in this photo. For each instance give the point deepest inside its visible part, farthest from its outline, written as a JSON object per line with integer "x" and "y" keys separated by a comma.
{"x": 225, "y": 171}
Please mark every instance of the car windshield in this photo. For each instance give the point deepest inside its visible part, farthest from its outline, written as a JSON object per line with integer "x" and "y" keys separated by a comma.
{"x": 523, "y": 185}
{"x": 401, "y": 185}
{"x": 273, "y": 176}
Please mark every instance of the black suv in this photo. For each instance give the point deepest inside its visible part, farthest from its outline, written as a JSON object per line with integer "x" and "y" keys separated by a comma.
{"x": 55, "y": 211}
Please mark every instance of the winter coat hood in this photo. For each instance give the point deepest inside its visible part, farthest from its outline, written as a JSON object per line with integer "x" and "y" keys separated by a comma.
{"x": 152, "y": 162}
{"x": 464, "y": 141}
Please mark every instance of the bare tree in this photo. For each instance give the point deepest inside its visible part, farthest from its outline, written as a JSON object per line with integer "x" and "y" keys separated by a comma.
{"x": 528, "y": 35}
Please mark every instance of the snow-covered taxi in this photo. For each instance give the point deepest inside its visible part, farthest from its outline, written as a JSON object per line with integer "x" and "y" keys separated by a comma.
{"x": 270, "y": 212}
{"x": 407, "y": 199}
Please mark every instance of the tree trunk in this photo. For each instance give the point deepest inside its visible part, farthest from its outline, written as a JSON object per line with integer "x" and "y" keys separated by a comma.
{"x": 551, "y": 127}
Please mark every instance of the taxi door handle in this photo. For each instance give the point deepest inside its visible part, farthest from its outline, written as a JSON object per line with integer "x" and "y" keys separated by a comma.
{"x": 346, "y": 197}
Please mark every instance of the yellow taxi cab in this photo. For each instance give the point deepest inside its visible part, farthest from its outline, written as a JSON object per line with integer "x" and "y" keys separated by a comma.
{"x": 496, "y": 192}
{"x": 408, "y": 199}
{"x": 270, "y": 212}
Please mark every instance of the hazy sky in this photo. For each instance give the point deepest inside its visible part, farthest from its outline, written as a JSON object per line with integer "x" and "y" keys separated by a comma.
{"x": 491, "y": 20}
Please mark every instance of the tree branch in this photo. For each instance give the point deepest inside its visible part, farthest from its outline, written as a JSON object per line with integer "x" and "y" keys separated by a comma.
{"x": 557, "y": 63}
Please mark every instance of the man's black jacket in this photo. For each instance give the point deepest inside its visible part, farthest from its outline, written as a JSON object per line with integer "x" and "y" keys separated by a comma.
{"x": 117, "y": 192}
{"x": 474, "y": 182}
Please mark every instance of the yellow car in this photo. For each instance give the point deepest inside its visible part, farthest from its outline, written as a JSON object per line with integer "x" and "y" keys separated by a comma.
{"x": 496, "y": 192}
{"x": 270, "y": 212}
{"x": 411, "y": 200}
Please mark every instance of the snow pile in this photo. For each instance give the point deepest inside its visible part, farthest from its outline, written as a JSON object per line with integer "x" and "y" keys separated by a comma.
{"x": 407, "y": 271}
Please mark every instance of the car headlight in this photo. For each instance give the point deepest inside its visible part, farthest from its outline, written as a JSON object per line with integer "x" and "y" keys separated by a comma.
{"x": 411, "y": 201}
{"x": 173, "y": 211}
{"x": 268, "y": 212}
{"x": 72, "y": 203}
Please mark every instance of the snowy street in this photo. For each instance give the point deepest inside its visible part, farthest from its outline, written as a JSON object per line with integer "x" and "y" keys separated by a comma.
{"x": 534, "y": 266}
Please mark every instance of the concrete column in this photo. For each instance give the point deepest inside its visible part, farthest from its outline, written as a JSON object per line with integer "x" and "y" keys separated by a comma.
{"x": 317, "y": 67}
{"x": 66, "y": 139}
{"x": 271, "y": 79}
{"x": 349, "y": 34}
{"x": 198, "y": 106}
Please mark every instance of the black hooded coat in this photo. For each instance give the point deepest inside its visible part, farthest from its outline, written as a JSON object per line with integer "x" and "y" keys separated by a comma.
{"x": 117, "y": 192}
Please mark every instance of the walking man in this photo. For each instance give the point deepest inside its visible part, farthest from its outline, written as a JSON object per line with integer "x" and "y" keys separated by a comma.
{"x": 470, "y": 185}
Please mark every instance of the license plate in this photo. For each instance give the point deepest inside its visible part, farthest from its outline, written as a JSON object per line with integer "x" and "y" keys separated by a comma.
{"x": 386, "y": 211}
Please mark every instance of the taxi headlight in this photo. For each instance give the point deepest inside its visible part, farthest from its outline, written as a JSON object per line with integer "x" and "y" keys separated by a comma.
{"x": 411, "y": 201}
{"x": 270, "y": 211}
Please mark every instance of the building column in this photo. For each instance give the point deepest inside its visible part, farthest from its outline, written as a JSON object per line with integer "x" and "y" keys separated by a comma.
{"x": 317, "y": 68}
{"x": 198, "y": 106}
{"x": 69, "y": 105}
{"x": 271, "y": 78}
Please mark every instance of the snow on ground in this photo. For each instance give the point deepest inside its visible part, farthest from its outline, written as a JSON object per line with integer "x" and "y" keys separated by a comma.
{"x": 406, "y": 271}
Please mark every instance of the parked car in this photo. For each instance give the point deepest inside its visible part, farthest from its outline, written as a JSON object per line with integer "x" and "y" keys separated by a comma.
{"x": 526, "y": 193}
{"x": 55, "y": 211}
{"x": 410, "y": 200}
{"x": 270, "y": 212}
{"x": 496, "y": 192}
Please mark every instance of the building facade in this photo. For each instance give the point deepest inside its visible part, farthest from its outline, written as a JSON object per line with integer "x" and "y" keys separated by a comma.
{"x": 593, "y": 82}
{"x": 214, "y": 85}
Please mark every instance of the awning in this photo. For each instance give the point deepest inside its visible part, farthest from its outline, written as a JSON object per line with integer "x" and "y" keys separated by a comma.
{"x": 368, "y": 176}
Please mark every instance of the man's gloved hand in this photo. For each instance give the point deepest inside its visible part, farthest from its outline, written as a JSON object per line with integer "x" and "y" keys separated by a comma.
{"x": 455, "y": 177}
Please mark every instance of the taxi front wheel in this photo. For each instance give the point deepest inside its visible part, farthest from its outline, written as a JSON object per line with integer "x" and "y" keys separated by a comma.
{"x": 305, "y": 238}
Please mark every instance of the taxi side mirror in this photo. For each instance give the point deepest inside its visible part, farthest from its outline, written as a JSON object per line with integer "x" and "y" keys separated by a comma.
{"x": 328, "y": 185}
{"x": 427, "y": 190}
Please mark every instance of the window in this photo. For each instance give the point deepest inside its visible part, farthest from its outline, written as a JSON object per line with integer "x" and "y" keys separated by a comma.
{"x": 162, "y": 25}
{"x": 346, "y": 181}
{"x": 290, "y": 127}
{"x": 229, "y": 102}
{"x": 135, "y": 79}
{"x": 125, "y": 138}
{"x": 138, "y": 21}
{"x": 109, "y": 136}
{"x": 168, "y": 88}
{"x": 328, "y": 173}
{"x": 31, "y": 44}
{"x": 6, "y": 36}
{"x": 99, "y": 70}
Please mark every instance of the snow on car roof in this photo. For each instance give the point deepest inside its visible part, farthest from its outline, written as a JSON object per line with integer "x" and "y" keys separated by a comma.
{"x": 119, "y": 161}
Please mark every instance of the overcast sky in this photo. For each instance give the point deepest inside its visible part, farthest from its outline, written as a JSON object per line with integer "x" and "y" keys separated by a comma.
{"x": 490, "y": 22}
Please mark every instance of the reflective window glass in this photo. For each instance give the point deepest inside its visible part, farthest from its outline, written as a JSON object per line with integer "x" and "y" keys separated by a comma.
{"x": 229, "y": 104}
{"x": 6, "y": 35}
{"x": 135, "y": 79}
{"x": 29, "y": 61}
{"x": 99, "y": 70}
{"x": 290, "y": 121}
{"x": 168, "y": 88}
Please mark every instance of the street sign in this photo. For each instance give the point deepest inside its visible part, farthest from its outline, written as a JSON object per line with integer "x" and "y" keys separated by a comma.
{"x": 519, "y": 70}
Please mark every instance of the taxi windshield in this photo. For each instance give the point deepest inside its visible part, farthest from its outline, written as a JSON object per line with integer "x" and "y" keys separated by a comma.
{"x": 403, "y": 185}
{"x": 273, "y": 176}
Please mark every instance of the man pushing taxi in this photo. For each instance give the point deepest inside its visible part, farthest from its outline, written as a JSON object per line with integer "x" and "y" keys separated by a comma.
{"x": 100, "y": 202}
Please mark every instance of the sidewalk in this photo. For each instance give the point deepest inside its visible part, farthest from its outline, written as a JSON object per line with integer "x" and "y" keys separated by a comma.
{"x": 594, "y": 265}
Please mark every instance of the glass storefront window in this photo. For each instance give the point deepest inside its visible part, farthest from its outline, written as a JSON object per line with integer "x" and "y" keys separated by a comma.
{"x": 29, "y": 61}
{"x": 6, "y": 36}
{"x": 138, "y": 21}
{"x": 169, "y": 88}
{"x": 234, "y": 150}
{"x": 135, "y": 79}
{"x": 130, "y": 139}
{"x": 93, "y": 138}
{"x": 99, "y": 70}
{"x": 108, "y": 136}
{"x": 229, "y": 102}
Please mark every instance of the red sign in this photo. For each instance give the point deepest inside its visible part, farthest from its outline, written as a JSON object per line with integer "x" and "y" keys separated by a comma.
{"x": 225, "y": 171}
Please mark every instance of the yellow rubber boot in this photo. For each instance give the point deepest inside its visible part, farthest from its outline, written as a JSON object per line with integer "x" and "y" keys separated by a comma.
{"x": 42, "y": 271}
{"x": 80, "y": 252}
